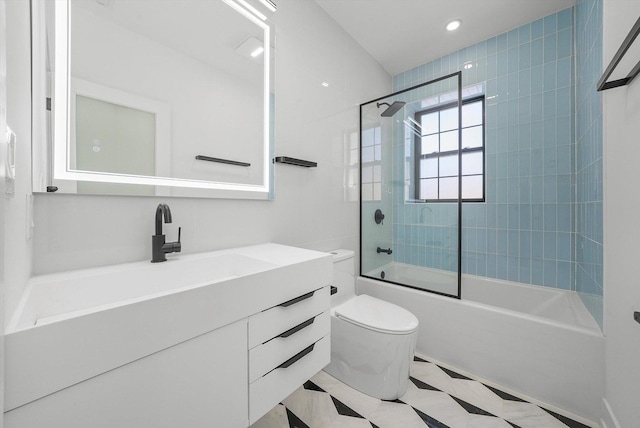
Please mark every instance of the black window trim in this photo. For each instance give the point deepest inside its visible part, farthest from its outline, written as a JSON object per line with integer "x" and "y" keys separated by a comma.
{"x": 418, "y": 156}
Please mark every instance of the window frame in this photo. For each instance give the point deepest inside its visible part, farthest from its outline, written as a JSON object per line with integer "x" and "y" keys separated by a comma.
{"x": 373, "y": 163}
{"x": 418, "y": 156}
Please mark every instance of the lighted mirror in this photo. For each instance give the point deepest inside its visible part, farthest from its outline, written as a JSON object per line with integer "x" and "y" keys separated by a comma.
{"x": 169, "y": 98}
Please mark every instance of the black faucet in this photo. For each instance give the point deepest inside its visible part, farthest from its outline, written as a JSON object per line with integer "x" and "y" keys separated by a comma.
{"x": 159, "y": 247}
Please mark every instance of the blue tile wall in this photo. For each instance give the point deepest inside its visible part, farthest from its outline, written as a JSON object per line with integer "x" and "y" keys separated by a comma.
{"x": 589, "y": 257}
{"x": 525, "y": 231}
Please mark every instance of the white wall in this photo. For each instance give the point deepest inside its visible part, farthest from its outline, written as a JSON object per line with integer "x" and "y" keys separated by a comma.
{"x": 311, "y": 209}
{"x": 3, "y": 127}
{"x": 621, "y": 232}
{"x": 18, "y": 250}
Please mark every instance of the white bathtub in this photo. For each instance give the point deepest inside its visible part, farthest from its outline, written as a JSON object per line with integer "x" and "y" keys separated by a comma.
{"x": 537, "y": 341}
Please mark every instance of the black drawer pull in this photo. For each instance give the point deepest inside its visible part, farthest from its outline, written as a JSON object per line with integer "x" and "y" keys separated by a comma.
{"x": 297, "y": 328}
{"x": 296, "y": 357}
{"x": 636, "y": 316}
{"x": 297, "y": 299}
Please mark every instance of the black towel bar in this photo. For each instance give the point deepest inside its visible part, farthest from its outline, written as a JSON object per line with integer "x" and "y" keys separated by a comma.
{"x": 294, "y": 161}
{"x": 626, "y": 44}
{"x": 218, "y": 160}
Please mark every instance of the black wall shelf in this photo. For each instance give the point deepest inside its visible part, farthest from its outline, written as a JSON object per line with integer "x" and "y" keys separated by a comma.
{"x": 603, "y": 84}
{"x": 219, "y": 160}
{"x": 293, "y": 161}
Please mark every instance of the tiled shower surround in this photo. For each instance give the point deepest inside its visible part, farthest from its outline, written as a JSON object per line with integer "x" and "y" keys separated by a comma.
{"x": 526, "y": 230}
{"x": 589, "y": 156}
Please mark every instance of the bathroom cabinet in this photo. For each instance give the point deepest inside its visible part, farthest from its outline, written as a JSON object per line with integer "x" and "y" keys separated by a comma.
{"x": 199, "y": 383}
{"x": 221, "y": 352}
{"x": 286, "y": 343}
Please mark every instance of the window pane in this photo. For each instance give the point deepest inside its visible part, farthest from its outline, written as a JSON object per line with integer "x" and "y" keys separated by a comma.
{"x": 353, "y": 157}
{"x": 377, "y": 135}
{"x": 377, "y": 173}
{"x": 429, "y": 123}
{"x": 378, "y": 152}
{"x": 367, "y": 154}
{"x": 368, "y": 137}
{"x": 428, "y": 168}
{"x": 430, "y": 144}
{"x": 377, "y": 191}
{"x": 429, "y": 189}
{"x": 448, "y": 165}
{"x": 472, "y": 163}
{"x": 472, "y": 114}
{"x": 353, "y": 176}
{"x": 472, "y": 187}
{"x": 367, "y": 192}
{"x": 449, "y": 188}
{"x": 449, "y": 119}
{"x": 449, "y": 141}
{"x": 472, "y": 137}
{"x": 367, "y": 174}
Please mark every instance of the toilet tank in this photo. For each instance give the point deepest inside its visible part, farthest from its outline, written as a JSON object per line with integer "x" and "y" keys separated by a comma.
{"x": 343, "y": 276}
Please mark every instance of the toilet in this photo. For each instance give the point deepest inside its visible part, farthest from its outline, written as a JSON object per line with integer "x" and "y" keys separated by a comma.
{"x": 372, "y": 341}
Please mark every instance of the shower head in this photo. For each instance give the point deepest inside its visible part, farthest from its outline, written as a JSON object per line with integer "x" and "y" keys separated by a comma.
{"x": 391, "y": 108}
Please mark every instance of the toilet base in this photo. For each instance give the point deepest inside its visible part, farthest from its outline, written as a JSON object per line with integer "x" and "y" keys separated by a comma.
{"x": 371, "y": 362}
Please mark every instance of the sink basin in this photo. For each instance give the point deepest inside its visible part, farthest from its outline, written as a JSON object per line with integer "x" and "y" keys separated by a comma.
{"x": 52, "y": 298}
{"x": 73, "y": 326}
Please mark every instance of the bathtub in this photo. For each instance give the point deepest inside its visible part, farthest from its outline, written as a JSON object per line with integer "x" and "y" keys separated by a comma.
{"x": 536, "y": 341}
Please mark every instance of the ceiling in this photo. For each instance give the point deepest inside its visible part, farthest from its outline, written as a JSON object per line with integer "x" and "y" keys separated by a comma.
{"x": 402, "y": 34}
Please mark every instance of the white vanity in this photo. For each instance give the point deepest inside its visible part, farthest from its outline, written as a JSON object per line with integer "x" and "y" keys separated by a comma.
{"x": 204, "y": 340}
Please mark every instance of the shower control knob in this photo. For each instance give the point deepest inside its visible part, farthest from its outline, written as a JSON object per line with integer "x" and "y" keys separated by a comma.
{"x": 378, "y": 216}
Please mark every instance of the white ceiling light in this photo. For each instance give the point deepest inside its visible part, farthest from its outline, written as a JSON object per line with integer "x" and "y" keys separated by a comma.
{"x": 257, "y": 51}
{"x": 251, "y": 47}
{"x": 453, "y": 25}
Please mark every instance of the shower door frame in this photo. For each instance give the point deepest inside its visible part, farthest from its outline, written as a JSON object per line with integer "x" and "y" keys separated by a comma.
{"x": 457, "y": 74}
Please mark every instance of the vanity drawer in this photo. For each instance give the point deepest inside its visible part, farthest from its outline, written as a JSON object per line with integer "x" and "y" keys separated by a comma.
{"x": 270, "y": 389}
{"x": 263, "y": 358}
{"x": 272, "y": 322}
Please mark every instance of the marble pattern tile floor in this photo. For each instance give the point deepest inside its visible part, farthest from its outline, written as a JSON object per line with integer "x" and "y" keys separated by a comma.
{"x": 436, "y": 398}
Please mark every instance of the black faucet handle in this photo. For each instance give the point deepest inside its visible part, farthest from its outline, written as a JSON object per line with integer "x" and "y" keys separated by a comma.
{"x": 177, "y": 246}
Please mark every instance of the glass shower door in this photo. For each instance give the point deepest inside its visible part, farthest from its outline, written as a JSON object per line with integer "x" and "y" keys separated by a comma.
{"x": 410, "y": 187}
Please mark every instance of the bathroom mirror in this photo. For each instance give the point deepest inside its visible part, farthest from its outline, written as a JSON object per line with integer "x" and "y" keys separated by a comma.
{"x": 170, "y": 98}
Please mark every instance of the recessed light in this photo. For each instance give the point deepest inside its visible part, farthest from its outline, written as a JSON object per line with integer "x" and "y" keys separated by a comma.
{"x": 325, "y": 84}
{"x": 453, "y": 25}
{"x": 257, "y": 51}
{"x": 251, "y": 48}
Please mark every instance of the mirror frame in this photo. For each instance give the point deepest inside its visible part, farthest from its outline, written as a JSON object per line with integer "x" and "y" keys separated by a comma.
{"x": 51, "y": 161}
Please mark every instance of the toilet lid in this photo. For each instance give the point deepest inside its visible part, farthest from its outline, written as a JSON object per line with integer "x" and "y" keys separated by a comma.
{"x": 378, "y": 315}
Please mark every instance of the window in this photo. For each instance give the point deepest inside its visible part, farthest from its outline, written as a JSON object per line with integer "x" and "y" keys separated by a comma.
{"x": 436, "y": 149}
{"x": 372, "y": 164}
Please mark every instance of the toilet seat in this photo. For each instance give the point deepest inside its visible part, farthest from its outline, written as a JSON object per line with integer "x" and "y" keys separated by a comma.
{"x": 377, "y": 315}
